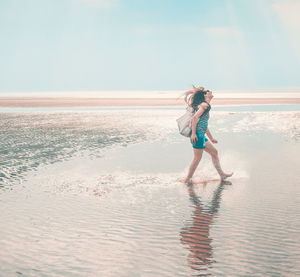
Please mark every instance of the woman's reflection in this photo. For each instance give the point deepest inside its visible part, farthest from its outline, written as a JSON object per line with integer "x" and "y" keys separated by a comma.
{"x": 196, "y": 236}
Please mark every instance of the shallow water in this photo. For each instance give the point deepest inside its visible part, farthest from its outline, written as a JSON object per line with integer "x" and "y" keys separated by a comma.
{"x": 96, "y": 193}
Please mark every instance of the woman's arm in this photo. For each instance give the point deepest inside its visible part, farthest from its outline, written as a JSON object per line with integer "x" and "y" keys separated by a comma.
{"x": 210, "y": 136}
{"x": 194, "y": 124}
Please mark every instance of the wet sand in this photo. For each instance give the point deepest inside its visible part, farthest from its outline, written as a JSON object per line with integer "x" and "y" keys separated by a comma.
{"x": 96, "y": 193}
{"x": 100, "y": 102}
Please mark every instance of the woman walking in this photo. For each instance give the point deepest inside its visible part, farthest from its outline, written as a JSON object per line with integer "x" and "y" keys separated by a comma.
{"x": 199, "y": 99}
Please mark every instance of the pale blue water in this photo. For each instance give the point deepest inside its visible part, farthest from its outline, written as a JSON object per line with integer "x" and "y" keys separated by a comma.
{"x": 94, "y": 192}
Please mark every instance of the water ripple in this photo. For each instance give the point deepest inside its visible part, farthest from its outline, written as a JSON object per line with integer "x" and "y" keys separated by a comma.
{"x": 82, "y": 207}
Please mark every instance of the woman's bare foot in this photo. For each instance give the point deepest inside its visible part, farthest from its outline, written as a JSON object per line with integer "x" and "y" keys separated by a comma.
{"x": 226, "y": 175}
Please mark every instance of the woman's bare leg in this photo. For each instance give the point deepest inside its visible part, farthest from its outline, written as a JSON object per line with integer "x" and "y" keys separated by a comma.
{"x": 197, "y": 158}
{"x": 215, "y": 159}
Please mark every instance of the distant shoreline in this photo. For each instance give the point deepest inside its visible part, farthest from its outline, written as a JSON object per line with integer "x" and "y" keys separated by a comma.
{"x": 103, "y": 102}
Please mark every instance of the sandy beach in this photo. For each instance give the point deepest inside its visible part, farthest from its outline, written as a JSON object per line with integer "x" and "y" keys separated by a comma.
{"x": 99, "y": 102}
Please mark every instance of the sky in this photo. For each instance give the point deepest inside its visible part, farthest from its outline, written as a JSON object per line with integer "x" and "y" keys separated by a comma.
{"x": 67, "y": 45}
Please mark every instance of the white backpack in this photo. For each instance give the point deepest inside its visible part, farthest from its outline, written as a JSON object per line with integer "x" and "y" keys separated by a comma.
{"x": 185, "y": 122}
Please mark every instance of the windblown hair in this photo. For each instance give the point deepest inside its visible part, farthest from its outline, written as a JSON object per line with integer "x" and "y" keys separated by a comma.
{"x": 193, "y": 99}
{"x": 197, "y": 98}
{"x": 188, "y": 95}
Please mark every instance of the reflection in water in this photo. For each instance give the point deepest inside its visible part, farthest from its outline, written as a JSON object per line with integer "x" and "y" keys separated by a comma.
{"x": 196, "y": 236}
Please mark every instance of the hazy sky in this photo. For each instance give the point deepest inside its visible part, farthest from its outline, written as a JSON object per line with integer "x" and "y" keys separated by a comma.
{"x": 50, "y": 45}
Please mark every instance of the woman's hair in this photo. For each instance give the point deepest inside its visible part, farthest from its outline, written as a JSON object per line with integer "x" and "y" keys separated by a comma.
{"x": 197, "y": 98}
{"x": 188, "y": 94}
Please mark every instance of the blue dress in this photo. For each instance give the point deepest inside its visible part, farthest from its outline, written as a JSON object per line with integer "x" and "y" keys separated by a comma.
{"x": 201, "y": 128}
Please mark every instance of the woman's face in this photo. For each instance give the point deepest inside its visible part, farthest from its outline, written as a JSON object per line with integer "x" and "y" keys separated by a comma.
{"x": 208, "y": 96}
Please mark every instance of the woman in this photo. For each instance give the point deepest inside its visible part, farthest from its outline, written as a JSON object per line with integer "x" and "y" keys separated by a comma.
{"x": 199, "y": 99}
